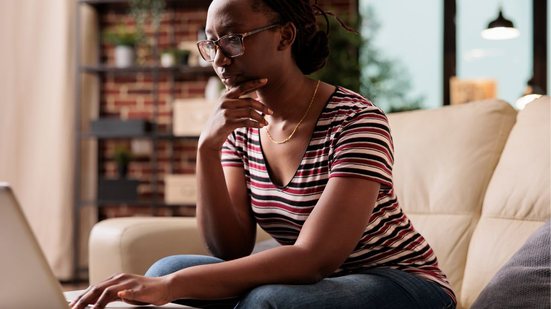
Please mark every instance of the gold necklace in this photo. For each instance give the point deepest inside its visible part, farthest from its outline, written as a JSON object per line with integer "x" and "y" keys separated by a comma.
{"x": 298, "y": 124}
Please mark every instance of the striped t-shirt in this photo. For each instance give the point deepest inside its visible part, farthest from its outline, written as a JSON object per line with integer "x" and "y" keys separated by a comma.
{"x": 351, "y": 139}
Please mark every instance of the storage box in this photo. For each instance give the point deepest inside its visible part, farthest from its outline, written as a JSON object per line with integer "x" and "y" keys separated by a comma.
{"x": 118, "y": 190}
{"x": 190, "y": 115}
{"x": 468, "y": 90}
{"x": 114, "y": 127}
{"x": 181, "y": 189}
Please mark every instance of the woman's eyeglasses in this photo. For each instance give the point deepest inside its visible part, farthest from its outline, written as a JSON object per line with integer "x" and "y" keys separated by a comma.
{"x": 231, "y": 44}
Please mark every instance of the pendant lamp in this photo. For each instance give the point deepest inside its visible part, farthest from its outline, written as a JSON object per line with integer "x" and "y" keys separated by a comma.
{"x": 500, "y": 28}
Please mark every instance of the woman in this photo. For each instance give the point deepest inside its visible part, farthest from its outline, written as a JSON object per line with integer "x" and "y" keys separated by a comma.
{"x": 308, "y": 161}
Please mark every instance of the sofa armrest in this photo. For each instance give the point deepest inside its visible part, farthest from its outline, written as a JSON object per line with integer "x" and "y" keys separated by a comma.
{"x": 131, "y": 245}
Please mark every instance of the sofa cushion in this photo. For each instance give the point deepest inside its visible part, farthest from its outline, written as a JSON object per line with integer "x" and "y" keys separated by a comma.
{"x": 132, "y": 244}
{"x": 517, "y": 200}
{"x": 525, "y": 280}
{"x": 444, "y": 159}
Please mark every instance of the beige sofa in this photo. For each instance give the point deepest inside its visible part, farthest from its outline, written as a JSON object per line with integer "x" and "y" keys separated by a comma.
{"x": 473, "y": 178}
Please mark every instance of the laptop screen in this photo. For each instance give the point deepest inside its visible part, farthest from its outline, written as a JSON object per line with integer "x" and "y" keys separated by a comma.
{"x": 27, "y": 280}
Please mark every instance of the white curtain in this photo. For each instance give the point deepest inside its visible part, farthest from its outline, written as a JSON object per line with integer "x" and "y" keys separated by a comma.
{"x": 37, "y": 85}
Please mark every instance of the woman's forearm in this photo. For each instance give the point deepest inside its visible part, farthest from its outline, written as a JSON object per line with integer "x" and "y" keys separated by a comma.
{"x": 286, "y": 264}
{"x": 226, "y": 234}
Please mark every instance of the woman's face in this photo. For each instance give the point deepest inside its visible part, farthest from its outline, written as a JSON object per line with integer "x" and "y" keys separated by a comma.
{"x": 260, "y": 58}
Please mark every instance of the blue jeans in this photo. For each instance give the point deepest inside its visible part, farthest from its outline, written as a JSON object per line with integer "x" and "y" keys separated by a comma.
{"x": 375, "y": 288}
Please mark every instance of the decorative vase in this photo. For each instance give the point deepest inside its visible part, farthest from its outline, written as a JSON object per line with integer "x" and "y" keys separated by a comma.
{"x": 124, "y": 56}
{"x": 167, "y": 60}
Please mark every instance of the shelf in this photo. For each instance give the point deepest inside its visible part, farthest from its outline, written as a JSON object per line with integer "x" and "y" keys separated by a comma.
{"x": 112, "y": 198}
{"x": 166, "y": 136}
{"x": 138, "y": 203}
{"x": 123, "y": 4}
{"x": 179, "y": 70}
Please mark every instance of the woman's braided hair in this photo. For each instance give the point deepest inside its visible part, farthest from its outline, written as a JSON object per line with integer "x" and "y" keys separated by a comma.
{"x": 310, "y": 48}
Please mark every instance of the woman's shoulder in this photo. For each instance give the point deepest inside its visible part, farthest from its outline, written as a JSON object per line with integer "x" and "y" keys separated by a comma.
{"x": 346, "y": 104}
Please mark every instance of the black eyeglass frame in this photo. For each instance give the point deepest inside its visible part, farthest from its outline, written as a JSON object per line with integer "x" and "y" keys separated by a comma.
{"x": 240, "y": 36}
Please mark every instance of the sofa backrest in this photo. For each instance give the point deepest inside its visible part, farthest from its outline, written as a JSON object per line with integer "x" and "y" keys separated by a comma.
{"x": 444, "y": 159}
{"x": 517, "y": 200}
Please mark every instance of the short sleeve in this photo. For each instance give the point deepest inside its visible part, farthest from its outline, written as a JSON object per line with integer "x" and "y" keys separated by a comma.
{"x": 363, "y": 148}
{"x": 230, "y": 152}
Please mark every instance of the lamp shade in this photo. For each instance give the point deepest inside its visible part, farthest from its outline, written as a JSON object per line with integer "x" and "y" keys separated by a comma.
{"x": 500, "y": 29}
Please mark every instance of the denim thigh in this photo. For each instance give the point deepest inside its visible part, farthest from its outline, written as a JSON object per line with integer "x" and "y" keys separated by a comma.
{"x": 174, "y": 263}
{"x": 381, "y": 288}
{"x": 384, "y": 288}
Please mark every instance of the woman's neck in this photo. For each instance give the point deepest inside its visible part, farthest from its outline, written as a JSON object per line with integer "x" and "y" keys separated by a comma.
{"x": 288, "y": 98}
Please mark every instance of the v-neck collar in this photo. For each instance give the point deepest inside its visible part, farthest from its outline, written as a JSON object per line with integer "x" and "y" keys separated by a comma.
{"x": 301, "y": 163}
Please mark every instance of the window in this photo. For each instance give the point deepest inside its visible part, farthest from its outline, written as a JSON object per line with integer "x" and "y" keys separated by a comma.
{"x": 403, "y": 53}
{"x": 407, "y": 50}
{"x": 507, "y": 62}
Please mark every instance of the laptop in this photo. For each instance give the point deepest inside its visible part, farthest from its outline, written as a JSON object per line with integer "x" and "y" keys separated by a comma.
{"x": 26, "y": 280}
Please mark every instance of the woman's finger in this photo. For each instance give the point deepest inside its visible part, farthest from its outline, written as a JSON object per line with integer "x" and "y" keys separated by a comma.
{"x": 93, "y": 292}
{"x": 246, "y": 103}
{"x": 89, "y": 297}
{"x": 246, "y": 87}
{"x": 74, "y": 301}
{"x": 129, "y": 296}
{"x": 245, "y": 113}
{"x": 109, "y": 294}
{"x": 246, "y": 123}
{"x": 114, "y": 286}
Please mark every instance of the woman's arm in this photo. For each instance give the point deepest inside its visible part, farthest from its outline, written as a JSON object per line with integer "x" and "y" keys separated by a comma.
{"x": 223, "y": 208}
{"x": 327, "y": 238}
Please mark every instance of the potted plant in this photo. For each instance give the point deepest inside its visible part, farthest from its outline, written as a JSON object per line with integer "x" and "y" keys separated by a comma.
{"x": 182, "y": 56}
{"x": 173, "y": 56}
{"x": 122, "y": 156}
{"x": 125, "y": 41}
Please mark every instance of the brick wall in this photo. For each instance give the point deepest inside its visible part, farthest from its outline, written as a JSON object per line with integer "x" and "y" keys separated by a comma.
{"x": 131, "y": 96}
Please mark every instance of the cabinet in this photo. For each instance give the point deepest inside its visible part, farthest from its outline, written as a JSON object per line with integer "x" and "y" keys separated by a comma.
{"x": 131, "y": 107}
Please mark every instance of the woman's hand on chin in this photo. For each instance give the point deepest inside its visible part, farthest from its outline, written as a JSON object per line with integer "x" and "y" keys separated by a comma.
{"x": 234, "y": 111}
